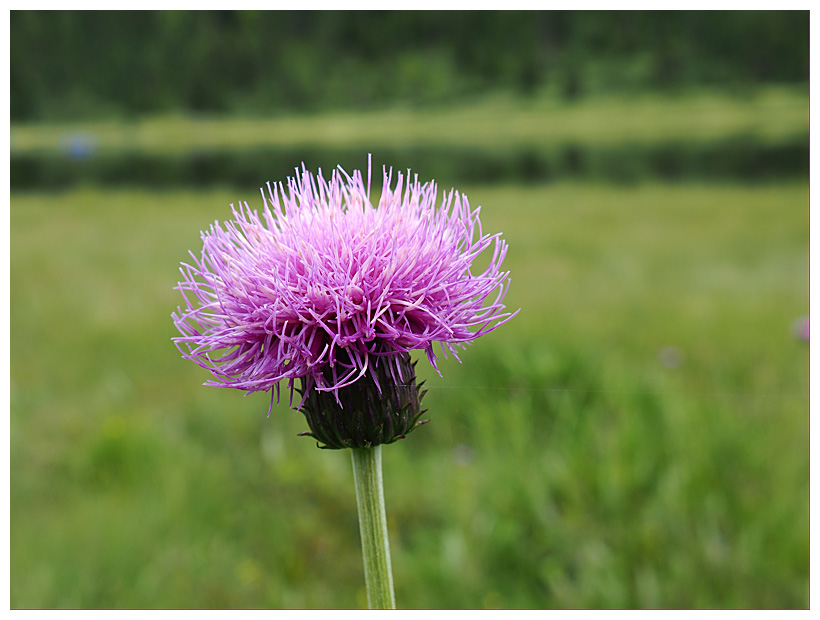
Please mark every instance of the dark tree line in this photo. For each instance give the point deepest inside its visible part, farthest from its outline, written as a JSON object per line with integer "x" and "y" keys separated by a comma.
{"x": 80, "y": 64}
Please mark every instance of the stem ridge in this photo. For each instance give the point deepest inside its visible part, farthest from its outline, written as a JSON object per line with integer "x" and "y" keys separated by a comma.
{"x": 378, "y": 572}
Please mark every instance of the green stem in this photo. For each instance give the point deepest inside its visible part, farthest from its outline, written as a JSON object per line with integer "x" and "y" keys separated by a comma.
{"x": 378, "y": 574}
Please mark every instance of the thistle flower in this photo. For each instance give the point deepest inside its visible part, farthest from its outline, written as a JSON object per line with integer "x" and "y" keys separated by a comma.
{"x": 325, "y": 288}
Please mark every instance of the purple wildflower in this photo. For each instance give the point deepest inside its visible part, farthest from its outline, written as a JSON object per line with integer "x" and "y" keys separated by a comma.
{"x": 325, "y": 288}
{"x": 801, "y": 328}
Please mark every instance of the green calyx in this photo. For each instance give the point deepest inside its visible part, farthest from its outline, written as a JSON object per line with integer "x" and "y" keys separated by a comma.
{"x": 364, "y": 415}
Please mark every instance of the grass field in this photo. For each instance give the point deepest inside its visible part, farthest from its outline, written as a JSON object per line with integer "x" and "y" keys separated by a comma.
{"x": 565, "y": 466}
{"x": 500, "y": 121}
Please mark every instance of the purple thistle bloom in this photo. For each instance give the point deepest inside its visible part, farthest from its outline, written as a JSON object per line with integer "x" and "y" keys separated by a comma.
{"x": 325, "y": 288}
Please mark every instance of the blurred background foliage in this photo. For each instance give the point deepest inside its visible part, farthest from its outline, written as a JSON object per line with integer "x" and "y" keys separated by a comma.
{"x": 78, "y": 65}
{"x": 636, "y": 437}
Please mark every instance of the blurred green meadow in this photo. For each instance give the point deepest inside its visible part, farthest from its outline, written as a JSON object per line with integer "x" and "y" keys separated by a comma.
{"x": 637, "y": 437}
{"x": 565, "y": 464}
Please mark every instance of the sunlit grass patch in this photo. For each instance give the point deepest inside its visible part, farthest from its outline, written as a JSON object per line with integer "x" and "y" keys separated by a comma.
{"x": 771, "y": 113}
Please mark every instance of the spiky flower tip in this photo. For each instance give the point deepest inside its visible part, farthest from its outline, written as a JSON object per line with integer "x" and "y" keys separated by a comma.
{"x": 328, "y": 289}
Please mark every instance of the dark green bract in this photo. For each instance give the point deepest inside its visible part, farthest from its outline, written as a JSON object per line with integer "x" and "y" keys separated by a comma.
{"x": 364, "y": 415}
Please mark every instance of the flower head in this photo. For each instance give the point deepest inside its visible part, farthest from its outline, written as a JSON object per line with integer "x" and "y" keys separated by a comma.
{"x": 325, "y": 287}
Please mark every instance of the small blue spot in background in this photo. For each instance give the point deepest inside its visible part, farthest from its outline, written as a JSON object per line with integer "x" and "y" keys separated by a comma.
{"x": 78, "y": 145}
